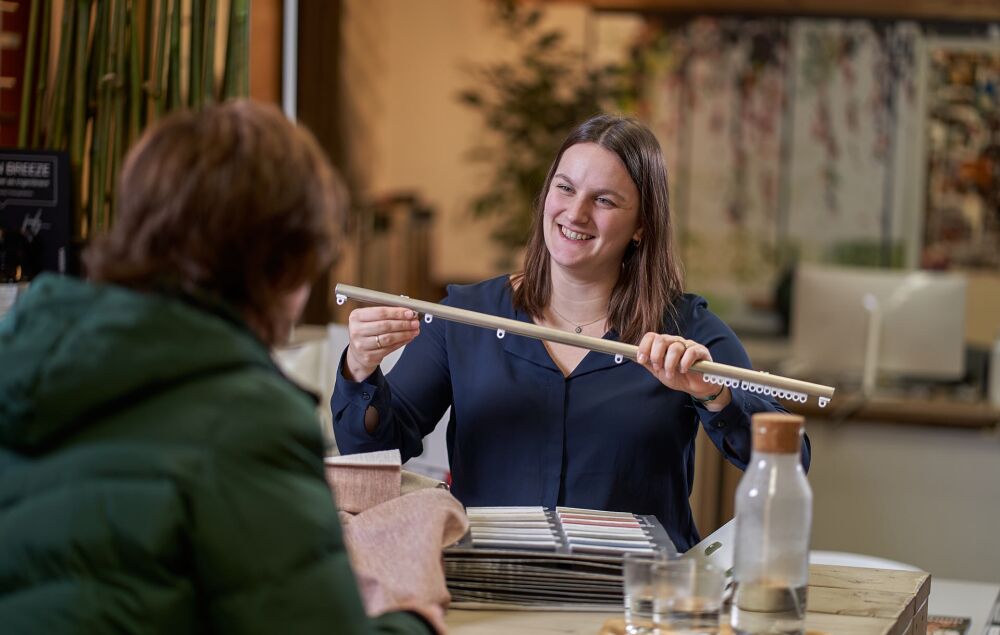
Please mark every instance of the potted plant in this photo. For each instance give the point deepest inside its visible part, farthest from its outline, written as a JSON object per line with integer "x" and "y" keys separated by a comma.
{"x": 528, "y": 107}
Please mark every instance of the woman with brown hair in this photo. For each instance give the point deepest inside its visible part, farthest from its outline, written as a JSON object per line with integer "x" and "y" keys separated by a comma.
{"x": 159, "y": 472}
{"x": 536, "y": 423}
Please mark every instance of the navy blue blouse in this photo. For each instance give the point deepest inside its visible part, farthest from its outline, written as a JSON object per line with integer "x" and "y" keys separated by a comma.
{"x": 610, "y": 436}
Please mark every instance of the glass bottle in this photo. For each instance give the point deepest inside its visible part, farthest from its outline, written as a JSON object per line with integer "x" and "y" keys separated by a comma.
{"x": 773, "y": 524}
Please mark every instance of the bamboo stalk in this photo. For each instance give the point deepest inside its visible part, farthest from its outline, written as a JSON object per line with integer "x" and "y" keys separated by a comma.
{"x": 235, "y": 80}
{"x": 134, "y": 77}
{"x": 41, "y": 84}
{"x": 119, "y": 130}
{"x": 78, "y": 127}
{"x": 105, "y": 115}
{"x": 194, "y": 53}
{"x": 157, "y": 87}
{"x": 79, "y": 124}
{"x": 208, "y": 52}
{"x": 145, "y": 11}
{"x": 174, "y": 72}
{"x": 148, "y": 17}
{"x": 95, "y": 101}
{"x": 98, "y": 144}
{"x": 57, "y": 116}
{"x": 24, "y": 123}
{"x": 114, "y": 157}
{"x": 98, "y": 147}
{"x": 95, "y": 70}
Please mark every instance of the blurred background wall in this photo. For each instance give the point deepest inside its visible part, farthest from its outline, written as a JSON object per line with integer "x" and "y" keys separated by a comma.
{"x": 787, "y": 137}
{"x": 405, "y": 64}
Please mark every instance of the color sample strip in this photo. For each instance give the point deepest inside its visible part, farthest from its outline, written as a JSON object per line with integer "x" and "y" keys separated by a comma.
{"x": 603, "y": 531}
{"x": 512, "y": 527}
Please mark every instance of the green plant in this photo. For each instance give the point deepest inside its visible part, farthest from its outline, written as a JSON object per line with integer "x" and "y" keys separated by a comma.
{"x": 118, "y": 69}
{"x": 529, "y": 106}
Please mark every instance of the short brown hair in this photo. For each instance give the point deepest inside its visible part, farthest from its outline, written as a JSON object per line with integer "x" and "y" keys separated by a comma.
{"x": 234, "y": 201}
{"x": 650, "y": 280}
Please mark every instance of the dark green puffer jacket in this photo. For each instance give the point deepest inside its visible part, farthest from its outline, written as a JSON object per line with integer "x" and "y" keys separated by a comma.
{"x": 158, "y": 474}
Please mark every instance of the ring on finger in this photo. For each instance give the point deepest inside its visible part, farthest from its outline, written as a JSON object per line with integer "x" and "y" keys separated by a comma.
{"x": 378, "y": 342}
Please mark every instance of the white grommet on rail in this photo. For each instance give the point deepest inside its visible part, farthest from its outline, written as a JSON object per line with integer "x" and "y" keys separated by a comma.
{"x": 501, "y": 333}
{"x": 714, "y": 379}
{"x": 428, "y": 317}
{"x": 619, "y": 358}
{"x": 341, "y": 298}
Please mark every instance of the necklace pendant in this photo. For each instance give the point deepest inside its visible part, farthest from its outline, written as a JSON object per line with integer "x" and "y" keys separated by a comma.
{"x": 579, "y": 329}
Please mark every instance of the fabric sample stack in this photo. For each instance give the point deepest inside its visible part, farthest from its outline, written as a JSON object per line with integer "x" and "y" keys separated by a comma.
{"x": 532, "y": 557}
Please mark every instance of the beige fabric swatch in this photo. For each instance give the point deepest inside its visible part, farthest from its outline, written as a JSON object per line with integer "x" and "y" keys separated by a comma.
{"x": 412, "y": 482}
{"x": 360, "y": 481}
{"x": 395, "y": 551}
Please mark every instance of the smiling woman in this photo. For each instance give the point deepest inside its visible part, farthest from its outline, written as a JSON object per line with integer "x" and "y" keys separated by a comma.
{"x": 536, "y": 423}
{"x": 619, "y": 165}
{"x": 590, "y": 213}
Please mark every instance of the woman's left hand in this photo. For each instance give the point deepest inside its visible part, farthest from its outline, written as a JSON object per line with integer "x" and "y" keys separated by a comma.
{"x": 669, "y": 358}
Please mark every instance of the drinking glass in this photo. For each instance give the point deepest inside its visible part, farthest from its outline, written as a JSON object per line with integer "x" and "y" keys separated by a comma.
{"x": 640, "y": 588}
{"x": 687, "y": 597}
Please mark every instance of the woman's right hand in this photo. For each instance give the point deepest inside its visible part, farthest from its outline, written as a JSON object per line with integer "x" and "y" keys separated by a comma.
{"x": 374, "y": 333}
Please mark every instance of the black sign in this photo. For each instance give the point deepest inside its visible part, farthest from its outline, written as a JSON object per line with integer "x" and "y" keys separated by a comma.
{"x": 36, "y": 206}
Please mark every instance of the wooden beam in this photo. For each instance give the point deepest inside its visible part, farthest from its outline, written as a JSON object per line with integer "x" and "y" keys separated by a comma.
{"x": 265, "y": 51}
{"x": 318, "y": 103}
{"x": 946, "y": 10}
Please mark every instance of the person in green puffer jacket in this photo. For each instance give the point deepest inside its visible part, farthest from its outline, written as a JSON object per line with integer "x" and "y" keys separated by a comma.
{"x": 158, "y": 473}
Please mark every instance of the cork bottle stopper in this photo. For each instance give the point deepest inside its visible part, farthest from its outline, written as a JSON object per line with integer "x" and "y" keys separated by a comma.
{"x": 777, "y": 432}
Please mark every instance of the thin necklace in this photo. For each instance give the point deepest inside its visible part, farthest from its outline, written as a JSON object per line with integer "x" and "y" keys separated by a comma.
{"x": 578, "y": 327}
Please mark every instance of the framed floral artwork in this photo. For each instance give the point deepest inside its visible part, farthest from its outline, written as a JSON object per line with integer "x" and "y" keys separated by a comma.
{"x": 961, "y": 184}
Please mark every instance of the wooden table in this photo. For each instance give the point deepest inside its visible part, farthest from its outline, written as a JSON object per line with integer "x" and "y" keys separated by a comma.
{"x": 845, "y": 600}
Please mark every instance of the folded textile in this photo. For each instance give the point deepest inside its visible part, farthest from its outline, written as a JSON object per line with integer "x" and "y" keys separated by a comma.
{"x": 361, "y": 481}
{"x": 395, "y": 550}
